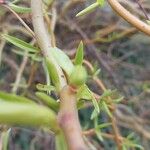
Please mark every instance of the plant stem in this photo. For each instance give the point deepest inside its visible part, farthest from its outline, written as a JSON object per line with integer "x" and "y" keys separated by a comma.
{"x": 69, "y": 121}
{"x": 129, "y": 17}
{"x": 43, "y": 37}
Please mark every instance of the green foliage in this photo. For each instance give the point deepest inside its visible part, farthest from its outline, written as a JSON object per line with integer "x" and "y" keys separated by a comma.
{"x": 46, "y": 88}
{"x": 52, "y": 73}
{"x": 27, "y": 115}
{"x": 14, "y": 98}
{"x": 130, "y": 142}
{"x": 85, "y": 93}
{"x": 79, "y": 55}
{"x": 5, "y": 139}
{"x": 91, "y": 8}
{"x": 98, "y": 128}
{"x": 48, "y": 100}
{"x": 88, "y": 9}
{"x": 19, "y": 43}
{"x": 63, "y": 60}
{"x": 19, "y": 9}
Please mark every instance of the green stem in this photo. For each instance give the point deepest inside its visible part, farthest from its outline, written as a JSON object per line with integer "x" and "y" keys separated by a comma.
{"x": 44, "y": 40}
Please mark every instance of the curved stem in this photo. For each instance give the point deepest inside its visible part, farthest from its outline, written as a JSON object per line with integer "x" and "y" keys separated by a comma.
{"x": 129, "y": 17}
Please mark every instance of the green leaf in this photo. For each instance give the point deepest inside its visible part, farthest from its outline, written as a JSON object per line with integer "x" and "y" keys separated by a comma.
{"x": 105, "y": 107}
{"x": 19, "y": 9}
{"x": 14, "y": 98}
{"x": 48, "y": 100}
{"x": 60, "y": 142}
{"x": 96, "y": 73}
{"x": 101, "y": 2}
{"x": 46, "y": 88}
{"x": 52, "y": 73}
{"x": 131, "y": 135}
{"x": 27, "y": 115}
{"x": 83, "y": 93}
{"x": 79, "y": 55}
{"x": 63, "y": 60}
{"x": 88, "y": 9}
{"x": 5, "y": 139}
{"x": 98, "y": 134}
{"x": 33, "y": 56}
{"x": 96, "y": 108}
{"x": 124, "y": 147}
{"x": 118, "y": 100}
{"x": 19, "y": 43}
{"x": 107, "y": 93}
{"x": 104, "y": 125}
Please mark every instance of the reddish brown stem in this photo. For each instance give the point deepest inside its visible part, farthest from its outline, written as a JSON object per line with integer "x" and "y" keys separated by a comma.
{"x": 69, "y": 121}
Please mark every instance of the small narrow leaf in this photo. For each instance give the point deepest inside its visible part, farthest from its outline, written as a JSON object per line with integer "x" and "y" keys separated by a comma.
{"x": 79, "y": 55}
{"x": 14, "y": 98}
{"x": 48, "y": 100}
{"x": 101, "y": 2}
{"x": 105, "y": 107}
{"x": 19, "y": 43}
{"x": 98, "y": 134}
{"x": 5, "y": 139}
{"x": 104, "y": 125}
{"x": 46, "y": 88}
{"x": 19, "y": 9}
{"x": 53, "y": 73}
{"x": 88, "y": 9}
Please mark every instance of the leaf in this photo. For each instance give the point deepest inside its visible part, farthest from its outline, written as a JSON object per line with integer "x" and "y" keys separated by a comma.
{"x": 5, "y": 139}
{"x": 46, "y": 88}
{"x": 101, "y": 2}
{"x": 83, "y": 93}
{"x": 107, "y": 93}
{"x": 118, "y": 100}
{"x": 88, "y": 9}
{"x": 14, "y": 98}
{"x": 27, "y": 115}
{"x": 98, "y": 134}
{"x": 19, "y": 43}
{"x": 79, "y": 55}
{"x": 96, "y": 108}
{"x": 96, "y": 73}
{"x": 52, "y": 73}
{"x": 105, "y": 107}
{"x": 48, "y": 100}
{"x": 104, "y": 125}
{"x": 131, "y": 135}
{"x": 33, "y": 56}
{"x": 63, "y": 60}
{"x": 19, "y": 9}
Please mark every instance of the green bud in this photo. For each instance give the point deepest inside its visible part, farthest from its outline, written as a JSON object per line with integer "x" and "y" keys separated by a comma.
{"x": 78, "y": 76}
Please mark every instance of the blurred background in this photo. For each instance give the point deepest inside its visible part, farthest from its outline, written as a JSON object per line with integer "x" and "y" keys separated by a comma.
{"x": 111, "y": 44}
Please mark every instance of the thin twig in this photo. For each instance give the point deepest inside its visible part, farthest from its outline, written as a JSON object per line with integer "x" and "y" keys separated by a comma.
{"x": 19, "y": 73}
{"x": 140, "y": 25}
{"x": 143, "y": 10}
